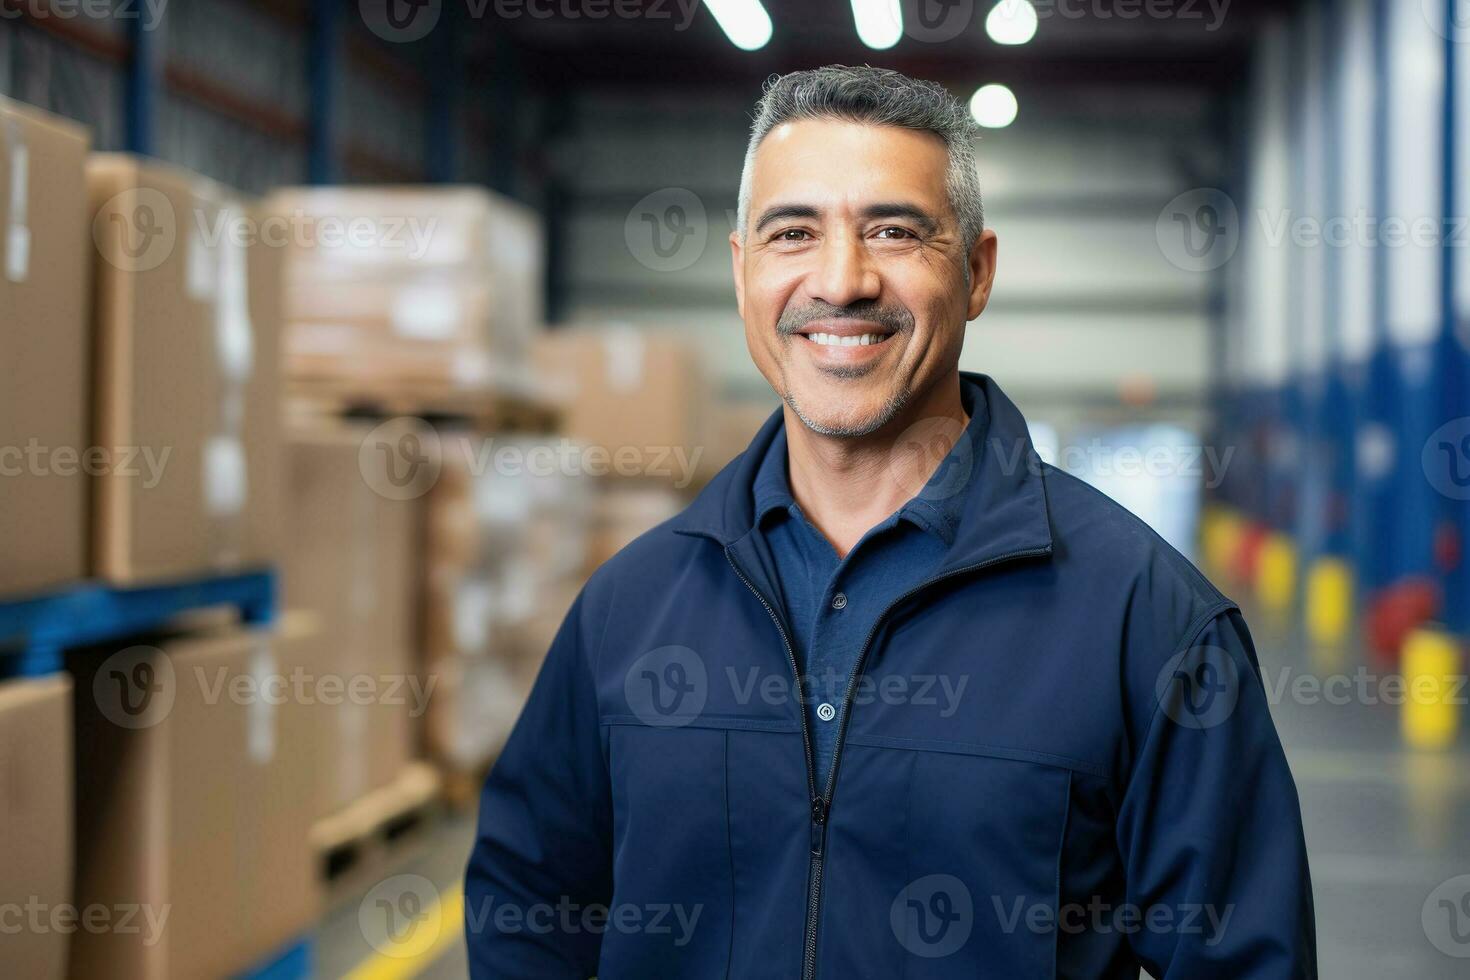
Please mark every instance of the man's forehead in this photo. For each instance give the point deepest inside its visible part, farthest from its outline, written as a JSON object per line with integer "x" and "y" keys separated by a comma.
{"x": 827, "y": 157}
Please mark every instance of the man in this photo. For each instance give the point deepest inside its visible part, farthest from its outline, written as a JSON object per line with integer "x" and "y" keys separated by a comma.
{"x": 891, "y": 698}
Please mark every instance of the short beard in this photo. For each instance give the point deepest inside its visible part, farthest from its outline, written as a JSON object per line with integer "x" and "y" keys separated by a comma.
{"x": 886, "y": 414}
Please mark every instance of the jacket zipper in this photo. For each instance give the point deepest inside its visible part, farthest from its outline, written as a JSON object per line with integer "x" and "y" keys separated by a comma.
{"x": 818, "y": 804}
{"x": 821, "y": 805}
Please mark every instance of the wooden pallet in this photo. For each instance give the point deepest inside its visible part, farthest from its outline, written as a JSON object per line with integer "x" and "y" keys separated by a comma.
{"x": 356, "y": 845}
{"x": 502, "y": 409}
{"x": 462, "y": 786}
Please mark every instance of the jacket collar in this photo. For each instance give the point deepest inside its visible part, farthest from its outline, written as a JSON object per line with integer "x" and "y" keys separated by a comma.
{"x": 1003, "y": 513}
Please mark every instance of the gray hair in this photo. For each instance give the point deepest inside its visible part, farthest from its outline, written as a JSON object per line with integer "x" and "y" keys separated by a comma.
{"x": 878, "y": 97}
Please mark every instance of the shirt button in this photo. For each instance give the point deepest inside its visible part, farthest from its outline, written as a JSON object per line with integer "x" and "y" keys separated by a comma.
{"x": 826, "y": 712}
{"x": 839, "y": 600}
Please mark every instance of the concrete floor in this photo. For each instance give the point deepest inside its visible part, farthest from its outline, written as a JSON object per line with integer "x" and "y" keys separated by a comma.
{"x": 1385, "y": 828}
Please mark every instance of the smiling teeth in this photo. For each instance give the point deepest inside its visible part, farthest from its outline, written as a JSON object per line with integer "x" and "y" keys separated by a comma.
{"x": 833, "y": 340}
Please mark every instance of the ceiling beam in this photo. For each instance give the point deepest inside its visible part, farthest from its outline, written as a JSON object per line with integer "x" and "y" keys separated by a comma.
{"x": 640, "y": 67}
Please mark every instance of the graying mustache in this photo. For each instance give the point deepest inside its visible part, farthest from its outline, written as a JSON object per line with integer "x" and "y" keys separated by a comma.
{"x": 899, "y": 321}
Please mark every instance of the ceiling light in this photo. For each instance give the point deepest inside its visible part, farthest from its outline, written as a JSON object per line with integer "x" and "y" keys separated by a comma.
{"x": 879, "y": 22}
{"x": 1011, "y": 22}
{"x": 993, "y": 106}
{"x": 745, "y": 22}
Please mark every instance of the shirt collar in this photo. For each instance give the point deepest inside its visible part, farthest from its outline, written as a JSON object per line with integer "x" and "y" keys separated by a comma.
{"x": 936, "y": 508}
{"x": 772, "y": 487}
{"x": 1004, "y": 516}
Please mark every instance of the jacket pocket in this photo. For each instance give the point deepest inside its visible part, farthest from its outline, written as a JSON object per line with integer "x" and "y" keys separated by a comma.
{"x": 943, "y": 862}
{"x": 672, "y": 903}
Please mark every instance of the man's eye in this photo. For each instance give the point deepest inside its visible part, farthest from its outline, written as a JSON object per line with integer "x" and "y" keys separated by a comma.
{"x": 893, "y": 233}
{"x": 791, "y": 235}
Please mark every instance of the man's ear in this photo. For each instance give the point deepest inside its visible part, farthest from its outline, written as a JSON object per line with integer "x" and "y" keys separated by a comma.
{"x": 982, "y": 272}
{"x": 736, "y": 255}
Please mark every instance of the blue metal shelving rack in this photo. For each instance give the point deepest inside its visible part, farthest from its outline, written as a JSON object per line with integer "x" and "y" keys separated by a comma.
{"x": 34, "y": 631}
{"x": 291, "y": 963}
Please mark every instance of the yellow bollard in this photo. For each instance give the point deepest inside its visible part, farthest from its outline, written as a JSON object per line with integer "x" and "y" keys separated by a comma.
{"x": 1329, "y": 602}
{"x": 1276, "y": 574}
{"x": 1433, "y": 689}
{"x": 1219, "y": 537}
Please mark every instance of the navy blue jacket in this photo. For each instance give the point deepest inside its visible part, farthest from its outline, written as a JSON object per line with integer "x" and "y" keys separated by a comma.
{"x": 1057, "y": 761}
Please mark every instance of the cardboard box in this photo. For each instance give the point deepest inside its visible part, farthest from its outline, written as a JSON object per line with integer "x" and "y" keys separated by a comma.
{"x": 623, "y": 512}
{"x": 734, "y": 424}
{"x": 635, "y": 398}
{"x": 475, "y": 705}
{"x": 507, "y": 527}
{"x": 187, "y": 391}
{"x": 36, "y": 823}
{"x": 194, "y": 805}
{"x": 391, "y": 288}
{"x": 478, "y": 695}
{"x": 44, "y": 260}
{"x": 352, "y": 562}
{"x": 502, "y": 529}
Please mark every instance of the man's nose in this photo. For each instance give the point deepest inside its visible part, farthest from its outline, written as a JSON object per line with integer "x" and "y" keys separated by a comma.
{"x": 845, "y": 273}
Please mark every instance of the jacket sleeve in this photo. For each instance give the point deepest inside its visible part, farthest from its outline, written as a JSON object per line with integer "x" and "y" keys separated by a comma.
{"x": 541, "y": 868}
{"x": 1209, "y": 826}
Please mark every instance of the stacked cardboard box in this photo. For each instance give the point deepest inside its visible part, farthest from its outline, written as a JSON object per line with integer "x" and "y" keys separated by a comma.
{"x": 407, "y": 289}
{"x": 351, "y": 562}
{"x": 43, "y": 349}
{"x": 734, "y": 423}
{"x": 36, "y": 825}
{"x": 506, "y": 550}
{"x": 187, "y": 410}
{"x": 194, "y": 802}
{"x": 636, "y": 399}
{"x": 623, "y": 511}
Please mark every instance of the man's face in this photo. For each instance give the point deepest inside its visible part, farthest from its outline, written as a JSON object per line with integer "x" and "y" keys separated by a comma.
{"x": 851, "y": 279}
